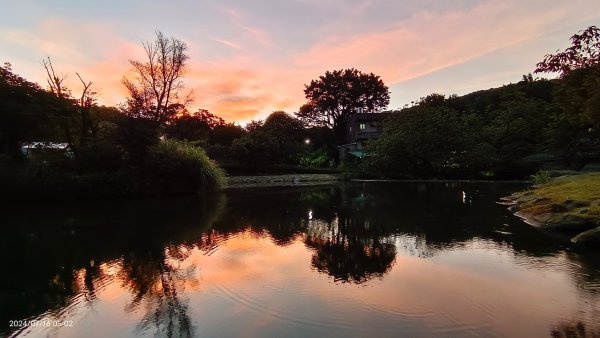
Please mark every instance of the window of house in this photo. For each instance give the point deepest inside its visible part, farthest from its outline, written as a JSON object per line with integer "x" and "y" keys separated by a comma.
{"x": 362, "y": 126}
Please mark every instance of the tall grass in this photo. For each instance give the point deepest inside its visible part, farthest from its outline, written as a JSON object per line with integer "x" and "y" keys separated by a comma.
{"x": 541, "y": 177}
{"x": 180, "y": 163}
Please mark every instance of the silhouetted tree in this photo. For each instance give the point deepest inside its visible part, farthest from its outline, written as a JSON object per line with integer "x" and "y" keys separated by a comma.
{"x": 193, "y": 127}
{"x": 224, "y": 134}
{"x": 63, "y": 114}
{"x": 432, "y": 100}
{"x": 27, "y": 112}
{"x": 253, "y": 125}
{"x": 80, "y": 123}
{"x": 55, "y": 81}
{"x": 576, "y": 123}
{"x": 86, "y": 103}
{"x": 187, "y": 127}
{"x": 210, "y": 119}
{"x": 283, "y": 125}
{"x": 278, "y": 141}
{"x": 583, "y": 53}
{"x": 337, "y": 94}
{"x": 158, "y": 83}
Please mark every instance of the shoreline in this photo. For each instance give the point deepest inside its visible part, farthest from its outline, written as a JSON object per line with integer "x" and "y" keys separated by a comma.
{"x": 234, "y": 182}
{"x": 286, "y": 180}
{"x": 439, "y": 181}
{"x": 567, "y": 205}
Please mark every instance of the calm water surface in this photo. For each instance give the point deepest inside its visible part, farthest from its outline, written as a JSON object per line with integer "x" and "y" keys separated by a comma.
{"x": 349, "y": 260}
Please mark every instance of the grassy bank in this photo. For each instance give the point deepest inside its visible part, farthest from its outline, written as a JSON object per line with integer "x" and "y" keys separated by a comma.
{"x": 567, "y": 204}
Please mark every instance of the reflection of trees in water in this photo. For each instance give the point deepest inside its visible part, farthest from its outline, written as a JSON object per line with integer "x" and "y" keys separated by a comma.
{"x": 588, "y": 264}
{"x": 355, "y": 234}
{"x": 585, "y": 272}
{"x": 422, "y": 218}
{"x": 143, "y": 240}
{"x": 583, "y": 269}
{"x": 347, "y": 255}
{"x": 83, "y": 281}
{"x": 156, "y": 282}
{"x": 282, "y": 212}
{"x": 573, "y": 330}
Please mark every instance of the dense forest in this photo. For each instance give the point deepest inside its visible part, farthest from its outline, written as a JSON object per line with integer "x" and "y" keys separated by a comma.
{"x": 53, "y": 141}
{"x": 509, "y": 131}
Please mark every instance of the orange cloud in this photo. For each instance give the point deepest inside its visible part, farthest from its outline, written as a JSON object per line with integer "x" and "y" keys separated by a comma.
{"x": 241, "y": 90}
{"x": 92, "y": 49}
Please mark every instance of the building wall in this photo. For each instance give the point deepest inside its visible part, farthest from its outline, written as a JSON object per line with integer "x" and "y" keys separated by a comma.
{"x": 361, "y": 128}
{"x": 371, "y": 123}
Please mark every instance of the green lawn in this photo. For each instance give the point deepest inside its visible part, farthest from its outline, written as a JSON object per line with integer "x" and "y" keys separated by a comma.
{"x": 576, "y": 195}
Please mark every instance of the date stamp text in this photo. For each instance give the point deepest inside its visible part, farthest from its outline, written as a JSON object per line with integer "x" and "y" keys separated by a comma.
{"x": 39, "y": 323}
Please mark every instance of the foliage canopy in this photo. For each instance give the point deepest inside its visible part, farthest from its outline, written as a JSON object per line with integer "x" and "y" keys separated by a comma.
{"x": 583, "y": 53}
{"x": 337, "y": 94}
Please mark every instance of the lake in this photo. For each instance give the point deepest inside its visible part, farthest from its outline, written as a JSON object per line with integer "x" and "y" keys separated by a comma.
{"x": 362, "y": 259}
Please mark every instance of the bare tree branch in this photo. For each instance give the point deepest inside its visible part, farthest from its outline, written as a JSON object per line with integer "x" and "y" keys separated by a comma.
{"x": 158, "y": 79}
{"x": 54, "y": 81}
{"x": 84, "y": 100}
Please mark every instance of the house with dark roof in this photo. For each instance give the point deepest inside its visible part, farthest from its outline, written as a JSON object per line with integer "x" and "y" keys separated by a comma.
{"x": 360, "y": 128}
{"x": 33, "y": 150}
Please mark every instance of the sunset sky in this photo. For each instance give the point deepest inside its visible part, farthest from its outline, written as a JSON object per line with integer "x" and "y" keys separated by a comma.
{"x": 248, "y": 58}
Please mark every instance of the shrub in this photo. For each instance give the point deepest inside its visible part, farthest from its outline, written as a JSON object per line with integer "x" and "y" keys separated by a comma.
{"x": 540, "y": 177}
{"x": 179, "y": 167}
{"x": 314, "y": 159}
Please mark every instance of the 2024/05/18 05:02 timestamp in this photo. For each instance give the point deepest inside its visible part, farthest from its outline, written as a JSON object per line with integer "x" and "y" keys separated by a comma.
{"x": 40, "y": 323}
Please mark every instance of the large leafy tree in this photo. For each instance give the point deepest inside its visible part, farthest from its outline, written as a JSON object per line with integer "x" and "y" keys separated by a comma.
{"x": 225, "y": 134}
{"x": 193, "y": 127}
{"x": 576, "y": 123}
{"x": 583, "y": 53}
{"x": 337, "y": 94}
{"x": 157, "y": 86}
{"x": 575, "y": 127}
{"x": 421, "y": 141}
{"x": 209, "y": 118}
{"x": 285, "y": 127}
{"x": 278, "y": 141}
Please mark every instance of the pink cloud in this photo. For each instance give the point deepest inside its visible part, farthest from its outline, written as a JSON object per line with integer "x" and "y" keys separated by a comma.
{"x": 259, "y": 35}
{"x": 227, "y": 43}
{"x": 256, "y": 34}
{"x": 232, "y": 13}
{"x": 427, "y": 42}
